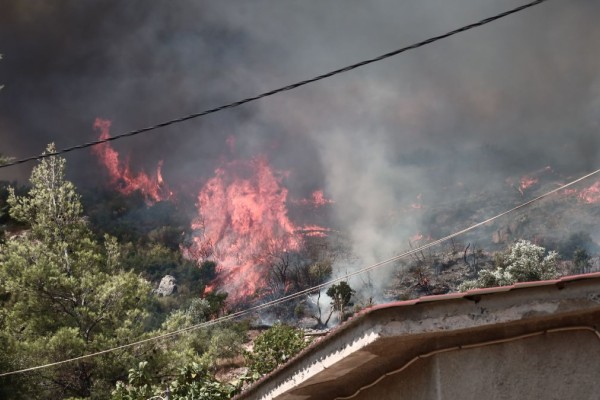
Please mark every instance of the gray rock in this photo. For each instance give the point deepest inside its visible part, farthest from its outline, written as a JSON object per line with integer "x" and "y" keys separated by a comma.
{"x": 167, "y": 286}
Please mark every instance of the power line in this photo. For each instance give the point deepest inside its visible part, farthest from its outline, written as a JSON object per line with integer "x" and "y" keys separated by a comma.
{"x": 305, "y": 291}
{"x": 279, "y": 90}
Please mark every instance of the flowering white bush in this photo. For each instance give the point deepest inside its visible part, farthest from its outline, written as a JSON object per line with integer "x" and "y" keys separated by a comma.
{"x": 524, "y": 262}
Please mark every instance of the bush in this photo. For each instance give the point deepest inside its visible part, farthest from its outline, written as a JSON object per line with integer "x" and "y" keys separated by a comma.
{"x": 525, "y": 262}
{"x": 192, "y": 382}
{"x": 274, "y": 347}
{"x": 340, "y": 294}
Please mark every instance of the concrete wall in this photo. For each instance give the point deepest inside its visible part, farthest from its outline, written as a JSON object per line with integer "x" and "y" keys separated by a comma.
{"x": 562, "y": 365}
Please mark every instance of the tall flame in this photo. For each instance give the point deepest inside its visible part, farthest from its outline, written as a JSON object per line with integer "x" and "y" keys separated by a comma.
{"x": 242, "y": 222}
{"x": 122, "y": 178}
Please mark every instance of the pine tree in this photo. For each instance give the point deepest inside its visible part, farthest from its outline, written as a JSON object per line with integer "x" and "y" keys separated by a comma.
{"x": 63, "y": 294}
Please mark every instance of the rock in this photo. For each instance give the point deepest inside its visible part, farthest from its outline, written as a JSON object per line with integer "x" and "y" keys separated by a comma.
{"x": 167, "y": 286}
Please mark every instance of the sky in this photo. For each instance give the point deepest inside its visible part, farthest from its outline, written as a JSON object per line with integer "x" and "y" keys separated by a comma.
{"x": 451, "y": 119}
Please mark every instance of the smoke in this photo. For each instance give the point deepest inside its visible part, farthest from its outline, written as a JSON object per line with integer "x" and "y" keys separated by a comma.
{"x": 438, "y": 124}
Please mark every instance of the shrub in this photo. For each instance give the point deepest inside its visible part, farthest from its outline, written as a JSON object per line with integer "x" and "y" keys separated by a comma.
{"x": 525, "y": 262}
{"x": 274, "y": 347}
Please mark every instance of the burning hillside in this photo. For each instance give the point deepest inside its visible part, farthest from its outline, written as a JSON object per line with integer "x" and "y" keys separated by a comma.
{"x": 242, "y": 219}
{"x": 122, "y": 178}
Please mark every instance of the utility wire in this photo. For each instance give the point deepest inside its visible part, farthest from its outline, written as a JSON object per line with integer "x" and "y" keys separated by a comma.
{"x": 305, "y": 291}
{"x": 279, "y": 90}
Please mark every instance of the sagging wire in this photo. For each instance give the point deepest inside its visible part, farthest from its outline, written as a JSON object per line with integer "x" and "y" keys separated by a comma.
{"x": 275, "y": 91}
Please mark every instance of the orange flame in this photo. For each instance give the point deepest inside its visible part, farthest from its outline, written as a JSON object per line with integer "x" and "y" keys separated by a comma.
{"x": 242, "y": 218}
{"x": 418, "y": 205}
{"x": 314, "y": 231}
{"x": 570, "y": 192}
{"x": 124, "y": 181}
{"x": 319, "y": 200}
{"x": 526, "y": 183}
{"x": 590, "y": 195}
{"x": 417, "y": 237}
{"x": 316, "y": 200}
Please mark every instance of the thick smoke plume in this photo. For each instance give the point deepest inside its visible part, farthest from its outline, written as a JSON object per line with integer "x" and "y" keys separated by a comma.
{"x": 434, "y": 127}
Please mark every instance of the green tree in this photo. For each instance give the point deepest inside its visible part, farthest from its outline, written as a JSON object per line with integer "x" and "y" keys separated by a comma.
{"x": 193, "y": 382}
{"x": 64, "y": 294}
{"x": 581, "y": 261}
{"x": 340, "y": 294}
{"x": 199, "y": 351}
{"x": 315, "y": 275}
{"x": 524, "y": 262}
{"x": 4, "y": 159}
{"x": 274, "y": 347}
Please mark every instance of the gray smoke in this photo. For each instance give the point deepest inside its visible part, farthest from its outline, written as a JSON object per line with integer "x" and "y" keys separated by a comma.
{"x": 443, "y": 122}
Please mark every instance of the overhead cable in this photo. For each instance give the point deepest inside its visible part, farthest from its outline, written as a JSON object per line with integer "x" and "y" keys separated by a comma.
{"x": 305, "y": 291}
{"x": 275, "y": 91}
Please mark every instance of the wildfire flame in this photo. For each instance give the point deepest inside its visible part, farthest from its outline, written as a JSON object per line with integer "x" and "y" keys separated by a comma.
{"x": 591, "y": 194}
{"x": 242, "y": 222}
{"x": 314, "y": 231}
{"x": 122, "y": 178}
{"x": 588, "y": 195}
{"x": 526, "y": 183}
{"x": 417, "y": 237}
{"x": 530, "y": 180}
{"x": 418, "y": 205}
{"x": 317, "y": 200}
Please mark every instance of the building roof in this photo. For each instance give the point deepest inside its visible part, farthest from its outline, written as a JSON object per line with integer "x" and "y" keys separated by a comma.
{"x": 384, "y": 336}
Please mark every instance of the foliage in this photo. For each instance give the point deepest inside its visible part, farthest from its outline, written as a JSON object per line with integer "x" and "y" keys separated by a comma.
{"x": 7, "y": 223}
{"x": 524, "y": 262}
{"x": 340, "y": 294}
{"x": 581, "y": 261}
{"x": 199, "y": 350}
{"x": 4, "y": 159}
{"x": 130, "y": 219}
{"x": 576, "y": 241}
{"x": 192, "y": 382}
{"x": 319, "y": 273}
{"x": 315, "y": 275}
{"x": 65, "y": 294}
{"x": 274, "y": 347}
